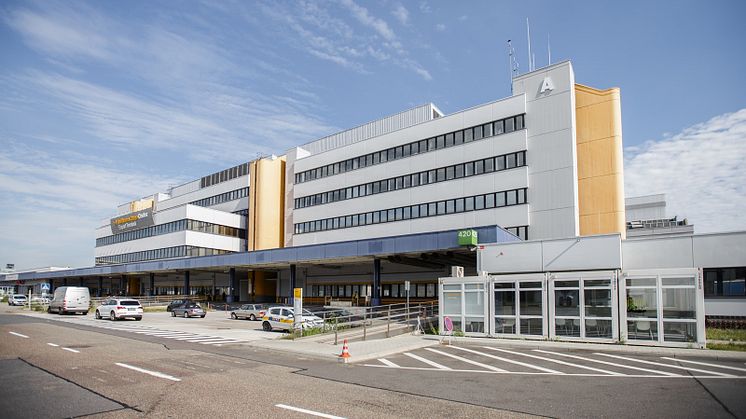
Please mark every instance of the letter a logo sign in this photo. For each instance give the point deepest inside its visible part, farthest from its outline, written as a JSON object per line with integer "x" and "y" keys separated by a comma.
{"x": 546, "y": 85}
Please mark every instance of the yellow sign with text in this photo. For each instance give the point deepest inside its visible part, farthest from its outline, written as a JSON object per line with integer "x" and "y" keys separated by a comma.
{"x": 298, "y": 292}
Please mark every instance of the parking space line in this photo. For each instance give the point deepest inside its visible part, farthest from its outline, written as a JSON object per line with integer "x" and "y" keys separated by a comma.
{"x": 196, "y": 339}
{"x": 427, "y": 361}
{"x": 71, "y": 350}
{"x": 499, "y": 358}
{"x": 53, "y": 344}
{"x": 609, "y": 363}
{"x": 220, "y": 342}
{"x": 666, "y": 365}
{"x": 387, "y": 362}
{"x": 468, "y": 361}
{"x": 704, "y": 363}
{"x": 308, "y": 412}
{"x": 19, "y": 335}
{"x": 557, "y": 361}
{"x": 144, "y": 371}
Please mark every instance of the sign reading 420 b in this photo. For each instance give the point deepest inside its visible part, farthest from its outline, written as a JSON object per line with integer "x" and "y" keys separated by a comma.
{"x": 467, "y": 238}
{"x": 132, "y": 221}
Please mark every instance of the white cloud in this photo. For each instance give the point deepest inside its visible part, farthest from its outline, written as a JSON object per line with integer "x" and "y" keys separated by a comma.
{"x": 362, "y": 15}
{"x": 440, "y": 27}
{"x": 58, "y": 200}
{"x": 700, "y": 169}
{"x": 401, "y": 14}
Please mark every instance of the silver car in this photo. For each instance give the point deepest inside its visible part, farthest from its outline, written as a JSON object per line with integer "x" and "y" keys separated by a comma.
{"x": 188, "y": 310}
{"x": 17, "y": 300}
{"x": 249, "y": 311}
{"x": 119, "y": 308}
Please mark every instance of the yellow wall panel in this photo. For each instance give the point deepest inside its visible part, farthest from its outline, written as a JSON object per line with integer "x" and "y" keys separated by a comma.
{"x": 266, "y": 203}
{"x": 600, "y": 161}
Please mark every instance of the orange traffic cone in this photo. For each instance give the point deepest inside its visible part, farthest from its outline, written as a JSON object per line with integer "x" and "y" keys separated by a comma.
{"x": 345, "y": 353}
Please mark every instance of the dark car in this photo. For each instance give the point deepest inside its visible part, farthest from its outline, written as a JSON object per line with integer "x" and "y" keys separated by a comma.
{"x": 176, "y": 303}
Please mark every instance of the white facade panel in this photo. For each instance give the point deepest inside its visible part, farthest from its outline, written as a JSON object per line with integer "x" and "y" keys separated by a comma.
{"x": 227, "y": 186}
{"x": 510, "y": 257}
{"x": 594, "y": 252}
{"x": 720, "y": 250}
{"x": 194, "y": 212}
{"x": 725, "y": 306}
{"x": 186, "y": 188}
{"x": 673, "y": 252}
{"x": 213, "y": 241}
{"x": 156, "y": 242}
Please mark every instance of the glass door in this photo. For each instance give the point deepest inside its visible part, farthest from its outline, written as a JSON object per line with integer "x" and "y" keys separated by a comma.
{"x": 583, "y": 305}
{"x": 519, "y": 306}
{"x": 463, "y": 300}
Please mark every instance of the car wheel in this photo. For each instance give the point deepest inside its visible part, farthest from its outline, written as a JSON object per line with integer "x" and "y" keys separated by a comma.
{"x": 85, "y": 313}
{"x": 138, "y": 318}
{"x": 186, "y": 315}
{"x": 233, "y": 316}
{"x": 112, "y": 316}
{"x": 173, "y": 314}
{"x": 202, "y": 316}
{"x": 98, "y": 315}
{"x": 252, "y": 317}
{"x": 266, "y": 327}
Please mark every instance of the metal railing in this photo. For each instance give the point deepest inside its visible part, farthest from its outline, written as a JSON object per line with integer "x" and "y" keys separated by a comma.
{"x": 337, "y": 320}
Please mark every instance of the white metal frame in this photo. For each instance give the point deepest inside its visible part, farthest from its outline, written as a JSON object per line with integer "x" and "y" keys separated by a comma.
{"x": 463, "y": 284}
{"x": 580, "y": 320}
{"x": 517, "y": 316}
{"x": 660, "y": 275}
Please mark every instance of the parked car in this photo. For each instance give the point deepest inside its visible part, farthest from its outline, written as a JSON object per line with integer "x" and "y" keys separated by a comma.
{"x": 282, "y": 318}
{"x": 188, "y": 310}
{"x": 17, "y": 300}
{"x": 249, "y": 311}
{"x": 70, "y": 300}
{"x": 175, "y": 303}
{"x": 119, "y": 308}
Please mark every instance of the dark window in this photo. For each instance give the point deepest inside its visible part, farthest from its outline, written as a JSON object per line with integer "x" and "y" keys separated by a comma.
{"x": 725, "y": 282}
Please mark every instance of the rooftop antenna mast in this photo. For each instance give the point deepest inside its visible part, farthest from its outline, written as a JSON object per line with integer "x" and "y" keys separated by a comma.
{"x": 513, "y": 64}
{"x": 549, "y": 51}
{"x": 528, "y": 35}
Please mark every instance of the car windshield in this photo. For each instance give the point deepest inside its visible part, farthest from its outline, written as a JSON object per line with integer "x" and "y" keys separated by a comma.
{"x": 20, "y": 297}
{"x": 129, "y": 303}
{"x": 192, "y": 306}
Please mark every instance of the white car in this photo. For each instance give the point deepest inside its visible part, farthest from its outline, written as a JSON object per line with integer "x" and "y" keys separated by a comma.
{"x": 283, "y": 317}
{"x": 17, "y": 300}
{"x": 119, "y": 308}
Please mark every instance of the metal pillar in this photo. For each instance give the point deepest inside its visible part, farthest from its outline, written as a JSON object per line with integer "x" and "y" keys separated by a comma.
{"x": 231, "y": 285}
{"x": 122, "y": 285}
{"x": 99, "y": 293}
{"x": 64, "y": 281}
{"x": 152, "y": 284}
{"x": 186, "y": 283}
{"x": 376, "y": 297}
{"x": 292, "y": 283}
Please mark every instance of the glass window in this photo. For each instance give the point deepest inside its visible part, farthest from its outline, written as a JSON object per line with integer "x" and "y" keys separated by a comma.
{"x": 566, "y": 302}
{"x": 478, "y": 167}
{"x": 478, "y": 133}
{"x": 468, "y": 135}
{"x": 512, "y": 197}
{"x": 449, "y": 172}
{"x": 521, "y": 158}
{"x": 511, "y": 161}
{"x": 500, "y": 162}
{"x": 430, "y": 144}
{"x": 509, "y": 125}
{"x": 499, "y": 127}
{"x": 531, "y": 304}
{"x": 458, "y": 137}
{"x": 679, "y": 303}
{"x": 440, "y": 142}
{"x": 441, "y": 208}
{"x": 500, "y": 199}
{"x": 479, "y": 202}
{"x": 459, "y": 205}
{"x": 597, "y": 302}
{"x": 452, "y": 303}
{"x": 521, "y": 196}
{"x": 469, "y": 204}
{"x": 441, "y": 174}
{"x": 449, "y": 140}
{"x": 468, "y": 169}
{"x": 487, "y": 130}
{"x": 489, "y": 201}
{"x": 415, "y": 211}
{"x": 459, "y": 171}
{"x": 519, "y": 122}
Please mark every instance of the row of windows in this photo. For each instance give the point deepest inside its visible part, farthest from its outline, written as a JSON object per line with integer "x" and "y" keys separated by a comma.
{"x": 430, "y": 209}
{"x": 451, "y": 139}
{"x": 171, "y": 227}
{"x": 223, "y": 197}
{"x": 222, "y": 176}
{"x": 163, "y": 253}
{"x": 520, "y": 231}
{"x": 243, "y": 212}
{"x": 387, "y": 290}
{"x": 473, "y": 168}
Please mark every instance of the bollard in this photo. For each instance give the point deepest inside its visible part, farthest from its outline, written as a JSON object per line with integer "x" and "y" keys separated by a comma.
{"x": 388, "y": 324}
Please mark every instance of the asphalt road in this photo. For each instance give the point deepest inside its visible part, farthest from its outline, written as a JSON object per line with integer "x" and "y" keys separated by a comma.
{"x": 90, "y": 372}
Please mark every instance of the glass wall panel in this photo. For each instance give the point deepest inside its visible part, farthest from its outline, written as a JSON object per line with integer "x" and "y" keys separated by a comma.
{"x": 642, "y": 330}
{"x": 679, "y": 332}
{"x": 679, "y": 303}
{"x": 531, "y": 303}
{"x": 505, "y": 325}
{"x": 566, "y": 303}
{"x": 505, "y": 303}
{"x": 597, "y": 328}
{"x": 598, "y": 302}
{"x": 567, "y": 327}
{"x": 452, "y": 303}
{"x": 642, "y": 302}
{"x": 474, "y": 325}
{"x": 532, "y": 326}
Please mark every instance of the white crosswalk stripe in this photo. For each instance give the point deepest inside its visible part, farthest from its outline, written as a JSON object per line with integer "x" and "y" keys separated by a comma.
{"x": 511, "y": 361}
{"x": 665, "y": 365}
{"x": 557, "y": 361}
{"x": 582, "y": 358}
{"x": 704, "y": 363}
{"x": 427, "y": 361}
{"x": 468, "y": 361}
{"x": 155, "y": 332}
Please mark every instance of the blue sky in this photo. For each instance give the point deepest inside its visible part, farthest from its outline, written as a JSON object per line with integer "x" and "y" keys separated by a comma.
{"x": 104, "y": 102}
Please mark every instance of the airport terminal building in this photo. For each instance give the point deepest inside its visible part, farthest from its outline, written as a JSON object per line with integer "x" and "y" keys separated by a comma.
{"x": 354, "y": 215}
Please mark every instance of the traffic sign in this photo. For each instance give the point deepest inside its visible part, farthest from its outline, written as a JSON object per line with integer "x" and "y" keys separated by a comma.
{"x": 45, "y": 286}
{"x": 448, "y": 323}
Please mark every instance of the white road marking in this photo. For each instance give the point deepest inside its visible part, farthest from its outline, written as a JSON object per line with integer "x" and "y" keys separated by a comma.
{"x": 557, "y": 361}
{"x": 499, "y": 358}
{"x": 201, "y": 338}
{"x": 387, "y": 362}
{"x": 19, "y": 335}
{"x": 609, "y": 363}
{"x": 153, "y": 373}
{"x": 705, "y": 364}
{"x": 308, "y": 412}
{"x": 427, "y": 361}
{"x": 712, "y": 377}
{"x": 53, "y": 344}
{"x": 71, "y": 350}
{"x": 468, "y": 361}
{"x": 666, "y": 365}
{"x": 219, "y": 342}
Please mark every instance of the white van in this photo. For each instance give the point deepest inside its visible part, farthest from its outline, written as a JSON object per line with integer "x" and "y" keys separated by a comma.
{"x": 70, "y": 300}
